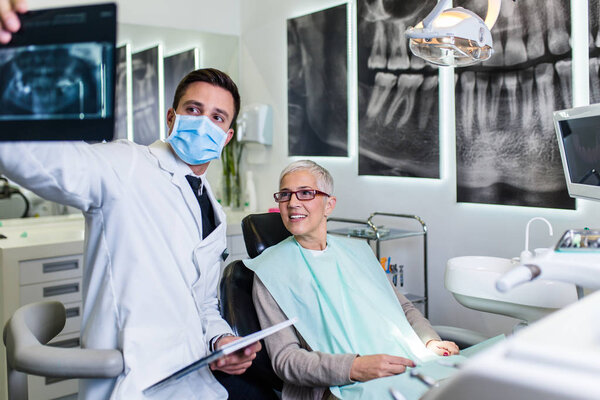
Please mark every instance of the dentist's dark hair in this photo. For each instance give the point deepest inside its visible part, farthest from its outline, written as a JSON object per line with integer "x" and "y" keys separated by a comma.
{"x": 214, "y": 77}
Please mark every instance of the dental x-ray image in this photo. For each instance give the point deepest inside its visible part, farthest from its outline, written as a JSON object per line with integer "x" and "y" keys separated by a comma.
{"x": 397, "y": 93}
{"x": 594, "y": 26}
{"x": 317, "y": 84}
{"x": 506, "y": 147}
{"x": 144, "y": 66}
{"x": 176, "y": 67}
{"x": 58, "y": 81}
{"x": 121, "y": 78}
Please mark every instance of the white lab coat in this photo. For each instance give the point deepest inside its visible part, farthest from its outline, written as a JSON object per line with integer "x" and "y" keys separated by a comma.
{"x": 150, "y": 281}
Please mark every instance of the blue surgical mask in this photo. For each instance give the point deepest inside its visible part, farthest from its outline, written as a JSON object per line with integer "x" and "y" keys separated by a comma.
{"x": 196, "y": 140}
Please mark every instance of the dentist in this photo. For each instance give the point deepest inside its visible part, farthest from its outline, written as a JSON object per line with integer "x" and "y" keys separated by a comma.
{"x": 154, "y": 237}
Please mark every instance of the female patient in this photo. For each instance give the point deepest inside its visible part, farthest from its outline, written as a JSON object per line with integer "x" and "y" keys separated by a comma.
{"x": 353, "y": 326}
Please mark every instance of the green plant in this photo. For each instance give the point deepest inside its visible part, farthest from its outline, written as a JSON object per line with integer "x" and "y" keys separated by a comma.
{"x": 232, "y": 181}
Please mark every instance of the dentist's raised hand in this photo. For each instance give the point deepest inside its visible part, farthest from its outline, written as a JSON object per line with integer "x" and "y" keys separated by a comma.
{"x": 9, "y": 20}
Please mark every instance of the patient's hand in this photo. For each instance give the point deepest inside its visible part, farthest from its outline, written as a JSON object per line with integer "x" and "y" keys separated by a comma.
{"x": 238, "y": 362}
{"x": 442, "y": 347}
{"x": 365, "y": 368}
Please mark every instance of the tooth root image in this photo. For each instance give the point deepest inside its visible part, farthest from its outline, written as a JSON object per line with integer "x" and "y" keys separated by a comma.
{"x": 482, "y": 96}
{"x": 384, "y": 82}
{"x": 515, "y": 51}
{"x": 536, "y": 46}
{"x": 594, "y": 80}
{"x": 544, "y": 74}
{"x": 429, "y": 85}
{"x": 404, "y": 100}
{"x": 510, "y": 83}
{"x": 558, "y": 37}
{"x": 467, "y": 83}
{"x": 527, "y": 103}
{"x": 398, "y": 46}
{"x": 378, "y": 57}
{"x": 563, "y": 70}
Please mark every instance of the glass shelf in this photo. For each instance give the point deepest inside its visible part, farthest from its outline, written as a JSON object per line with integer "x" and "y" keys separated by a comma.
{"x": 363, "y": 232}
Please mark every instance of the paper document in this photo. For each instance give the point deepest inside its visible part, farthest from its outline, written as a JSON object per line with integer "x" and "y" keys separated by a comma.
{"x": 222, "y": 352}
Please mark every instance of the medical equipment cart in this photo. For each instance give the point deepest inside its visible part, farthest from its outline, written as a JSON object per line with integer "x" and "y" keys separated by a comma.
{"x": 371, "y": 232}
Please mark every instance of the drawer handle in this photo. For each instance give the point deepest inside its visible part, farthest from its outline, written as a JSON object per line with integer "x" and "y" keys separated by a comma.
{"x": 67, "y": 343}
{"x": 61, "y": 289}
{"x": 72, "y": 312}
{"x": 67, "y": 265}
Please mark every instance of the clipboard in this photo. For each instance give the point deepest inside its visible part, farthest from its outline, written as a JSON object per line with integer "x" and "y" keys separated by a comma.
{"x": 222, "y": 352}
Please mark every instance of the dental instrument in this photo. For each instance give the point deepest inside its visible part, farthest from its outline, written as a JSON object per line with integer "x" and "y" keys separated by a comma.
{"x": 454, "y": 36}
{"x": 427, "y": 380}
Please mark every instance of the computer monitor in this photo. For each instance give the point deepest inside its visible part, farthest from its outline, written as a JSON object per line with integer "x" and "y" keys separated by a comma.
{"x": 578, "y": 133}
{"x": 57, "y": 75}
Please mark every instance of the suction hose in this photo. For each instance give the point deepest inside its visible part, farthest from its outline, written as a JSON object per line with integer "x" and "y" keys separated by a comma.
{"x": 517, "y": 276}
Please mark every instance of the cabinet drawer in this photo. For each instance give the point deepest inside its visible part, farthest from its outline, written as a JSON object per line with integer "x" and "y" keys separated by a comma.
{"x": 73, "y": 322}
{"x": 50, "y": 269}
{"x": 66, "y": 291}
{"x": 44, "y": 388}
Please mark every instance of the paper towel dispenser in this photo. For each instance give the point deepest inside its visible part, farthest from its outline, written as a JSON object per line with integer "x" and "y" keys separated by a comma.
{"x": 255, "y": 124}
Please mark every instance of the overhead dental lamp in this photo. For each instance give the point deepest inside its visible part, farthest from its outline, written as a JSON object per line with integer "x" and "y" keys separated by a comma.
{"x": 454, "y": 36}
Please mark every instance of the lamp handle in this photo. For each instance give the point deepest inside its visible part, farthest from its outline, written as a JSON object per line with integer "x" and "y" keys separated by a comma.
{"x": 492, "y": 13}
{"x": 437, "y": 10}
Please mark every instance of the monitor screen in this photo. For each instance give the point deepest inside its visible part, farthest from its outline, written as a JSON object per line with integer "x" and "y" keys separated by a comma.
{"x": 57, "y": 75}
{"x": 578, "y": 132}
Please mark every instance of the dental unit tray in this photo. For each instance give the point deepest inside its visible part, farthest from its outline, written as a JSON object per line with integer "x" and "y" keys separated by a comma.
{"x": 368, "y": 230}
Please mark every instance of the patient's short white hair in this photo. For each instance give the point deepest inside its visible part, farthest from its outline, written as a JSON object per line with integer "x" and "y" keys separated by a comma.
{"x": 324, "y": 179}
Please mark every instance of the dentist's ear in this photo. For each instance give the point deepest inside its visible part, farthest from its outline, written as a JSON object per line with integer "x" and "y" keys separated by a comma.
{"x": 230, "y": 134}
{"x": 170, "y": 120}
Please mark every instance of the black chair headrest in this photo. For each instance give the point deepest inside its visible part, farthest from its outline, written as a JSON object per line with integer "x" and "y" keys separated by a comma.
{"x": 262, "y": 231}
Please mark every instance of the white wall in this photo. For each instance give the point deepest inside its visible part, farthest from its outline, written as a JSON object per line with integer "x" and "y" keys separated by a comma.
{"x": 455, "y": 229}
{"x": 221, "y": 16}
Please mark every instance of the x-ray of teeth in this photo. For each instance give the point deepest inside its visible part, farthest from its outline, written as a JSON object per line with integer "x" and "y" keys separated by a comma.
{"x": 515, "y": 51}
{"x": 144, "y": 71}
{"x": 121, "y": 93}
{"x": 403, "y": 103}
{"x": 558, "y": 35}
{"x": 317, "y": 83}
{"x": 384, "y": 83}
{"x": 506, "y": 146}
{"x": 594, "y": 80}
{"x": 594, "y": 27}
{"x": 536, "y": 47}
{"x": 176, "y": 67}
{"x": 53, "y": 82}
{"x": 397, "y": 93}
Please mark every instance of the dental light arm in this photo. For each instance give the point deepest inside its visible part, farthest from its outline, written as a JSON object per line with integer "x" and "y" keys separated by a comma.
{"x": 454, "y": 36}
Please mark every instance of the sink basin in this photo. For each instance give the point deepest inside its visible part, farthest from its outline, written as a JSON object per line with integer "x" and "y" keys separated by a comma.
{"x": 472, "y": 280}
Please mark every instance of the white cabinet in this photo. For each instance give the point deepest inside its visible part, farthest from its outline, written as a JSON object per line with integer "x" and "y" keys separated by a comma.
{"x": 42, "y": 259}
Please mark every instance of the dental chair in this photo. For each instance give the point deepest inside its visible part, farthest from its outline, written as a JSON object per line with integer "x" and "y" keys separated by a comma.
{"x": 26, "y": 336}
{"x": 260, "y": 232}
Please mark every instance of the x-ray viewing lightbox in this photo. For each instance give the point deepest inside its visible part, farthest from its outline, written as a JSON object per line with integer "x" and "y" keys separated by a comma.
{"x": 578, "y": 131}
{"x": 57, "y": 75}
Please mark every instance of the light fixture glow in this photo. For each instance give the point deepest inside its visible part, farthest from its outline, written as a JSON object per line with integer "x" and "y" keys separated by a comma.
{"x": 454, "y": 36}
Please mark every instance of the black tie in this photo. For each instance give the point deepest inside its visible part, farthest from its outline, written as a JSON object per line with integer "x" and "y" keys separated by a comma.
{"x": 206, "y": 208}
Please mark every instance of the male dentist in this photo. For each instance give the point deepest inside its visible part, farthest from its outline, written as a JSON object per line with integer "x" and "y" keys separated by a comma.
{"x": 154, "y": 237}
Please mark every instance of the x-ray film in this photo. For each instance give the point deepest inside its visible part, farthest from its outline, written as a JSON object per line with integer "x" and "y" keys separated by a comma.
{"x": 57, "y": 76}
